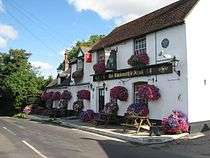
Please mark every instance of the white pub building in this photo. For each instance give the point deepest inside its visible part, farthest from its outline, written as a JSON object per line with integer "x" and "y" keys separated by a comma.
{"x": 175, "y": 40}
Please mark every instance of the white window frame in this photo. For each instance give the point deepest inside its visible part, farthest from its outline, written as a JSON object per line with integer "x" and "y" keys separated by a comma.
{"x": 140, "y": 45}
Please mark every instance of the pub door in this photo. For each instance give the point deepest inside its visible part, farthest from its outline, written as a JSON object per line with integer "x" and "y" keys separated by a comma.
{"x": 101, "y": 99}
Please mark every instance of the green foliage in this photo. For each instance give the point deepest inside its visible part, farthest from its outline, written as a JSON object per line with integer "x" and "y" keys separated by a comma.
{"x": 19, "y": 78}
{"x": 21, "y": 116}
{"x": 61, "y": 66}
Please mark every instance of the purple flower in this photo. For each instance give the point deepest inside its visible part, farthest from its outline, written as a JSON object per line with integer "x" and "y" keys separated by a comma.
{"x": 139, "y": 109}
{"x": 83, "y": 94}
{"x": 66, "y": 95}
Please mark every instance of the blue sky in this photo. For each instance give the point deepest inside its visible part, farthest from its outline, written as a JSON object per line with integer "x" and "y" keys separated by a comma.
{"x": 46, "y": 28}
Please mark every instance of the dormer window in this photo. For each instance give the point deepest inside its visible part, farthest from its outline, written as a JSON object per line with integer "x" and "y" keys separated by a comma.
{"x": 140, "y": 45}
{"x": 101, "y": 56}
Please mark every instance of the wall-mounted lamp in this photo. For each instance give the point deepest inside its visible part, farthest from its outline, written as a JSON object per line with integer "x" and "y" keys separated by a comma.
{"x": 91, "y": 87}
{"x": 104, "y": 86}
{"x": 172, "y": 59}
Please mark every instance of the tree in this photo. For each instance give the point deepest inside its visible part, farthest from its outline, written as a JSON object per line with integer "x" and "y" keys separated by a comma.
{"x": 19, "y": 80}
{"x": 72, "y": 53}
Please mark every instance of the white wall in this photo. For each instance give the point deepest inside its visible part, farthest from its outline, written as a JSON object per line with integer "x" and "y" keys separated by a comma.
{"x": 74, "y": 90}
{"x": 198, "y": 31}
{"x": 173, "y": 88}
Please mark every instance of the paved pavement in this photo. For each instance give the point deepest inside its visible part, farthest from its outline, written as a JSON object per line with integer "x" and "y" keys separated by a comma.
{"x": 27, "y": 139}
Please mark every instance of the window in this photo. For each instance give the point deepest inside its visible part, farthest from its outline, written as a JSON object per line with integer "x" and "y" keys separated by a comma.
{"x": 101, "y": 56}
{"x": 112, "y": 61}
{"x": 80, "y": 64}
{"x": 137, "y": 99}
{"x": 140, "y": 45}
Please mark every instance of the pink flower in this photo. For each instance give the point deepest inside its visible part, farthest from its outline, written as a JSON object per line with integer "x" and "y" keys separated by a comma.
{"x": 120, "y": 93}
{"x": 148, "y": 92}
{"x": 139, "y": 59}
{"x": 99, "y": 68}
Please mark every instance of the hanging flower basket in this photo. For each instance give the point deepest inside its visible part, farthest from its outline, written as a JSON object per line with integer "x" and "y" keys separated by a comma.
{"x": 176, "y": 123}
{"x": 87, "y": 116}
{"x": 56, "y": 96}
{"x": 78, "y": 75}
{"x": 66, "y": 95}
{"x": 99, "y": 68}
{"x": 83, "y": 94}
{"x": 78, "y": 106}
{"x": 120, "y": 93}
{"x": 111, "y": 108}
{"x": 148, "y": 92}
{"x": 139, "y": 60}
{"x": 47, "y": 96}
{"x": 138, "y": 109}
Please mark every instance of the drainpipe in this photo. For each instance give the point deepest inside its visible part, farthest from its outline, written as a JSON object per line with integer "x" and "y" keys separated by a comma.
{"x": 156, "y": 78}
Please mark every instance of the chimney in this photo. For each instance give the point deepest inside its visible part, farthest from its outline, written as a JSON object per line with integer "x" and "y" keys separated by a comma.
{"x": 66, "y": 62}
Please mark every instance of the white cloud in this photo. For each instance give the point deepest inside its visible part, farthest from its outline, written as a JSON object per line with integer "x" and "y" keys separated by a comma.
{"x": 118, "y": 10}
{"x": 7, "y": 33}
{"x": 45, "y": 68}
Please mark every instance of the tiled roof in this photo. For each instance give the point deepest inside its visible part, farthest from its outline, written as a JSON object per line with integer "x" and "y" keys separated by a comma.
{"x": 171, "y": 15}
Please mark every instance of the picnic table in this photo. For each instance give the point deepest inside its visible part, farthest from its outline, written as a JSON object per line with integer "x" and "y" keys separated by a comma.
{"x": 136, "y": 121}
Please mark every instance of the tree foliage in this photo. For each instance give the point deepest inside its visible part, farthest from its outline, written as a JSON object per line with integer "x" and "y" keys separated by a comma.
{"x": 19, "y": 79}
{"x": 72, "y": 52}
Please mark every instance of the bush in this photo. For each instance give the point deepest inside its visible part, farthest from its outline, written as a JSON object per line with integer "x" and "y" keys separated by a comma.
{"x": 176, "y": 123}
{"x": 87, "y": 116}
{"x": 111, "y": 108}
{"x": 21, "y": 116}
{"x": 78, "y": 106}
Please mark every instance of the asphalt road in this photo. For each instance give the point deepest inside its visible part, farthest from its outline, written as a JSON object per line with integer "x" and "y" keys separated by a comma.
{"x": 26, "y": 139}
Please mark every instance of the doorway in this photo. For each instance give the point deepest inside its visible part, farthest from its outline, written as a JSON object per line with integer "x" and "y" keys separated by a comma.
{"x": 101, "y": 99}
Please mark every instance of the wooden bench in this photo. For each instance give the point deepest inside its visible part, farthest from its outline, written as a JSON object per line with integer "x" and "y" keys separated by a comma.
{"x": 137, "y": 122}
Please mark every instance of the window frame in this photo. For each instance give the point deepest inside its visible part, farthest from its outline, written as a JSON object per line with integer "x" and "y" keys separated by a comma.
{"x": 134, "y": 90}
{"x": 82, "y": 61}
{"x": 141, "y": 47}
{"x": 100, "y": 53}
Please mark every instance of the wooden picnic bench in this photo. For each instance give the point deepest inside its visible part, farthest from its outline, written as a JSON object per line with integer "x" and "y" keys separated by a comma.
{"x": 135, "y": 121}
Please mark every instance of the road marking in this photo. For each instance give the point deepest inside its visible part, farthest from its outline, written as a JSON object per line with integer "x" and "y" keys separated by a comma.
{"x": 8, "y": 130}
{"x": 34, "y": 149}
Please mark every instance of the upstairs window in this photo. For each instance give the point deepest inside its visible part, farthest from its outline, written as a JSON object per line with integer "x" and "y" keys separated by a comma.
{"x": 101, "y": 56}
{"x": 140, "y": 45}
{"x": 80, "y": 64}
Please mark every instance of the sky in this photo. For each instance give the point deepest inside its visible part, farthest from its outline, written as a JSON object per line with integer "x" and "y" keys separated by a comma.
{"x": 46, "y": 28}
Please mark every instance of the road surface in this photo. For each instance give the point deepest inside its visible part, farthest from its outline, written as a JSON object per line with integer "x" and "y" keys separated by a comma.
{"x": 27, "y": 139}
